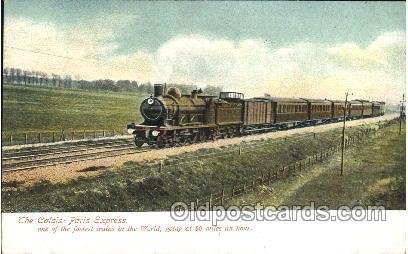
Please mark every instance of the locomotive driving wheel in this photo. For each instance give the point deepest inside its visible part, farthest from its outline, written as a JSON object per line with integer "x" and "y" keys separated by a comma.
{"x": 201, "y": 136}
{"x": 161, "y": 143}
{"x": 183, "y": 141}
{"x": 194, "y": 138}
{"x": 171, "y": 142}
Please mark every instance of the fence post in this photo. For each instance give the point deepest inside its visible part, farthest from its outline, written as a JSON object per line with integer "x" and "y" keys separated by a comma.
{"x": 222, "y": 197}
{"x": 300, "y": 165}
{"x": 240, "y": 151}
{"x": 83, "y": 135}
{"x": 53, "y": 136}
{"x": 233, "y": 191}
{"x": 39, "y": 137}
{"x": 314, "y": 135}
{"x": 94, "y": 134}
{"x": 73, "y": 135}
{"x": 11, "y": 139}
{"x": 62, "y": 137}
{"x": 160, "y": 166}
{"x": 25, "y": 138}
{"x": 103, "y": 133}
{"x": 113, "y": 132}
{"x": 210, "y": 202}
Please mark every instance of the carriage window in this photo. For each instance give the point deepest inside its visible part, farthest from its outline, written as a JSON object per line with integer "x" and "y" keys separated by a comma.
{"x": 231, "y": 95}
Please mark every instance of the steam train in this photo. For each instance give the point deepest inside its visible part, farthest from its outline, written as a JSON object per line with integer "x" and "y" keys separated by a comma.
{"x": 172, "y": 118}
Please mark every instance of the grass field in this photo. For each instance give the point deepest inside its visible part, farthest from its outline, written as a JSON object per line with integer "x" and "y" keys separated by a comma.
{"x": 28, "y": 108}
{"x": 374, "y": 174}
{"x": 136, "y": 187}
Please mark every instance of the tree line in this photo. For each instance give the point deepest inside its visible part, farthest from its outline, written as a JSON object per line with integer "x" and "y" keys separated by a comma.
{"x": 37, "y": 78}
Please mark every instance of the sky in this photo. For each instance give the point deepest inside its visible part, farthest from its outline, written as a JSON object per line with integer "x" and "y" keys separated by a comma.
{"x": 295, "y": 49}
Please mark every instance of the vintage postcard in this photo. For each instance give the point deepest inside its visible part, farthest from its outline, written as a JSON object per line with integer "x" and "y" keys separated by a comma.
{"x": 203, "y": 127}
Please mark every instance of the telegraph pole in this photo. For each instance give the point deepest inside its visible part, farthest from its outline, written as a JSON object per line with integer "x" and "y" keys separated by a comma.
{"x": 342, "y": 136}
{"x": 402, "y": 111}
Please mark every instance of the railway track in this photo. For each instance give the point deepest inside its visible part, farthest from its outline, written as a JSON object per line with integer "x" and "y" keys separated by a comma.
{"x": 51, "y": 155}
{"x": 35, "y": 157}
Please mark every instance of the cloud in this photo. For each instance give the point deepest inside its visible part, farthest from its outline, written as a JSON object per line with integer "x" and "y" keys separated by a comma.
{"x": 301, "y": 70}
{"x": 375, "y": 71}
{"x": 86, "y": 52}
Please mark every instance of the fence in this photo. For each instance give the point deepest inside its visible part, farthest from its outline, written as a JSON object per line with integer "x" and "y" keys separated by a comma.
{"x": 33, "y": 137}
{"x": 273, "y": 175}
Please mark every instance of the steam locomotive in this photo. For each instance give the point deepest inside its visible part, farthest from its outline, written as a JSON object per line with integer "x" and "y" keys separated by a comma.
{"x": 172, "y": 118}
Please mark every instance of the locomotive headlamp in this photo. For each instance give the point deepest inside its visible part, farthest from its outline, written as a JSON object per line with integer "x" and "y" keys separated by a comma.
{"x": 150, "y": 101}
{"x": 155, "y": 133}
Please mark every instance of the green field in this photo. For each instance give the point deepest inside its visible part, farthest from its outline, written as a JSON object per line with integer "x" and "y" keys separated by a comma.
{"x": 28, "y": 108}
{"x": 374, "y": 174}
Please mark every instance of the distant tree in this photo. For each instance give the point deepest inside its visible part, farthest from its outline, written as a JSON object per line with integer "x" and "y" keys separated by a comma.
{"x": 68, "y": 81}
{"x": 134, "y": 85}
{"x": 25, "y": 77}
{"x": 58, "y": 78}
{"x": 124, "y": 85}
{"x": 53, "y": 79}
{"x": 6, "y": 72}
{"x": 146, "y": 88}
{"x": 37, "y": 77}
{"x": 12, "y": 75}
{"x": 18, "y": 75}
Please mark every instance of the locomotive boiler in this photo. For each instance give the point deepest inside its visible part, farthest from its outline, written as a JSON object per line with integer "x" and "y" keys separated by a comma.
{"x": 174, "y": 118}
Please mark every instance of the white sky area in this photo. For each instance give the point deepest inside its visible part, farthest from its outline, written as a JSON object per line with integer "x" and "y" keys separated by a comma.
{"x": 375, "y": 71}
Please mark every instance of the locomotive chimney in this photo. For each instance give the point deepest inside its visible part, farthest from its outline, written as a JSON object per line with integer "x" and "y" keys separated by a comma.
{"x": 158, "y": 90}
{"x": 194, "y": 94}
